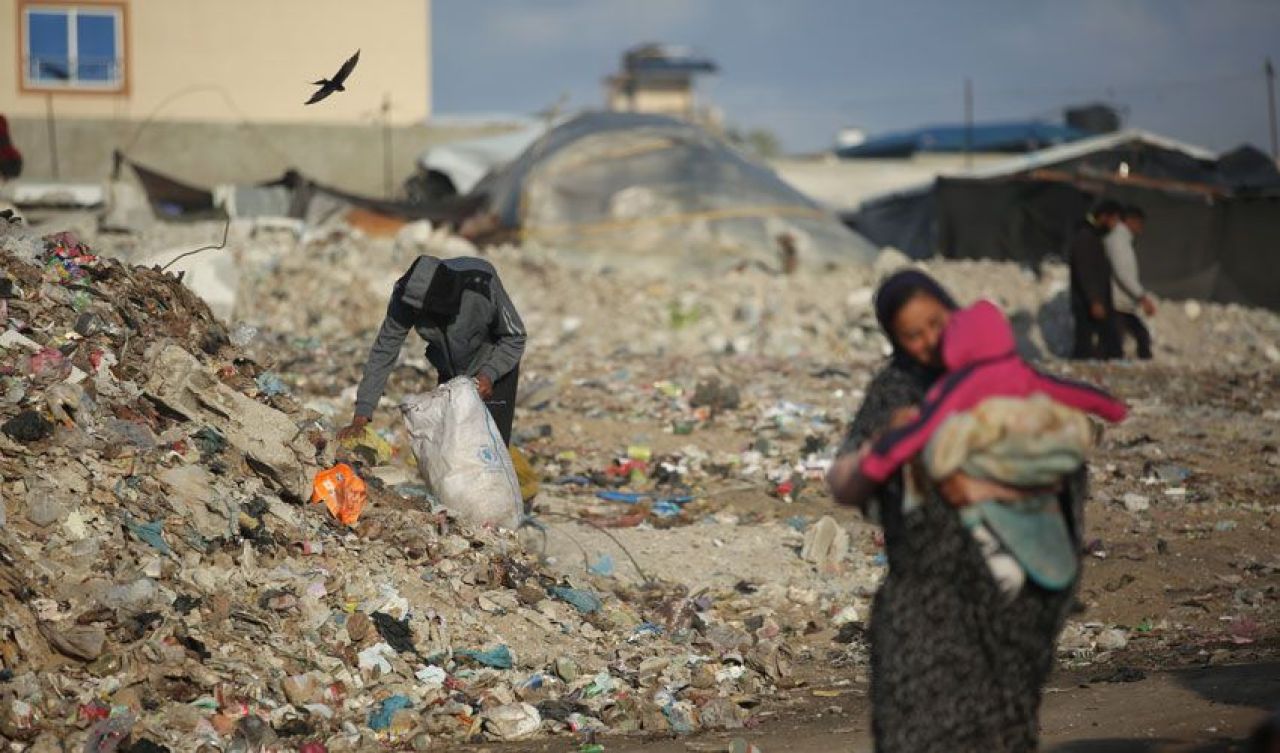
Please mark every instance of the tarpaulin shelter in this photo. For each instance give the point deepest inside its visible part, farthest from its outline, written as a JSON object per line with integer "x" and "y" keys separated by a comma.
{"x": 291, "y": 195}
{"x": 1213, "y": 229}
{"x": 1011, "y": 137}
{"x": 651, "y": 186}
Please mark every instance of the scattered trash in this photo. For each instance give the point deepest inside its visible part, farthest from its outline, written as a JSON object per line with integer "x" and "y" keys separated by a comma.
{"x": 602, "y": 565}
{"x": 584, "y": 601}
{"x": 380, "y": 718}
{"x": 396, "y": 633}
{"x": 514, "y": 721}
{"x": 498, "y": 657}
{"x": 342, "y": 491}
{"x": 27, "y": 426}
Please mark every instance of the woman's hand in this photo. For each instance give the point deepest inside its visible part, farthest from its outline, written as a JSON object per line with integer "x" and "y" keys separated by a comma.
{"x": 903, "y": 416}
{"x": 962, "y": 490}
{"x": 841, "y": 474}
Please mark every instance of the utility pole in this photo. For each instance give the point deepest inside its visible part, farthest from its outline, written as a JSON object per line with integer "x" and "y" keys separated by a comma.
{"x": 386, "y": 144}
{"x": 968, "y": 124}
{"x": 53, "y": 133}
{"x": 1271, "y": 106}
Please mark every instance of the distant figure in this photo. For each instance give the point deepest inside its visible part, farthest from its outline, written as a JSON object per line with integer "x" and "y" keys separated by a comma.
{"x": 10, "y": 157}
{"x": 1092, "y": 307}
{"x": 1126, "y": 289}
{"x": 787, "y": 253}
{"x": 328, "y": 86}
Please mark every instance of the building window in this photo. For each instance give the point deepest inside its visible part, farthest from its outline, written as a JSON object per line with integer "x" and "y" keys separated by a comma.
{"x": 73, "y": 47}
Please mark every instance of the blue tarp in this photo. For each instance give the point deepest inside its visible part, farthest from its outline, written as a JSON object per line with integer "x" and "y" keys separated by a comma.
{"x": 1026, "y": 136}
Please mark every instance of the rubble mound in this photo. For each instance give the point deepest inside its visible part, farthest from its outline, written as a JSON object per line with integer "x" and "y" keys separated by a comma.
{"x": 165, "y": 583}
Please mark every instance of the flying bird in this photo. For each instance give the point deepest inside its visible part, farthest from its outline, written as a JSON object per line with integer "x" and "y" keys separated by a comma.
{"x": 329, "y": 86}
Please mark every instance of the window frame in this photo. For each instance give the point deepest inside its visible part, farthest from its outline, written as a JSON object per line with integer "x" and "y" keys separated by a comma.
{"x": 117, "y": 8}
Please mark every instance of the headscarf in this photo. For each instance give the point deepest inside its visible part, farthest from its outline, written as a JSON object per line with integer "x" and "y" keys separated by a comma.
{"x": 893, "y": 294}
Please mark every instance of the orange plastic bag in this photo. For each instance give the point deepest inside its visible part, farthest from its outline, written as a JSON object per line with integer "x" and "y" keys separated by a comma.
{"x": 342, "y": 491}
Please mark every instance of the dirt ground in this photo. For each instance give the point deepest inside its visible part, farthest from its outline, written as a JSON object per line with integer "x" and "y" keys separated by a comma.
{"x": 1192, "y": 580}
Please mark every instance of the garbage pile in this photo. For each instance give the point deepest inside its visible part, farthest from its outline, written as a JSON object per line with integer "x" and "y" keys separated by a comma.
{"x": 169, "y": 587}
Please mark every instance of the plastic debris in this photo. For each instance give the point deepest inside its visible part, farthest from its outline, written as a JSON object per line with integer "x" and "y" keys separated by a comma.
{"x": 152, "y": 532}
{"x": 603, "y": 565}
{"x": 498, "y": 657}
{"x": 380, "y": 718}
{"x": 515, "y": 721}
{"x": 27, "y": 426}
{"x": 581, "y": 600}
{"x": 342, "y": 491}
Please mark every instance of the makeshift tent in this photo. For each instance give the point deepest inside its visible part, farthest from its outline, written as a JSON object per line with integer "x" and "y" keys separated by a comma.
{"x": 464, "y": 162}
{"x": 291, "y": 195}
{"x": 1213, "y": 229}
{"x": 653, "y": 187}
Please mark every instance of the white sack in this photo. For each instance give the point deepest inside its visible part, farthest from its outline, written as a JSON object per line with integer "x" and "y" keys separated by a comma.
{"x": 461, "y": 455}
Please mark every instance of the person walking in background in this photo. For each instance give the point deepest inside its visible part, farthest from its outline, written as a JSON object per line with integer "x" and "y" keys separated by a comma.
{"x": 1092, "y": 307}
{"x": 1127, "y": 293}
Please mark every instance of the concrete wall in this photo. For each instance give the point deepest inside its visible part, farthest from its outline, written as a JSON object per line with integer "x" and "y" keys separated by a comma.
{"x": 346, "y": 156}
{"x": 231, "y": 61}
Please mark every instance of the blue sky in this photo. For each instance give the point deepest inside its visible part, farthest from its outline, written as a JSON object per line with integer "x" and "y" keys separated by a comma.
{"x": 1191, "y": 69}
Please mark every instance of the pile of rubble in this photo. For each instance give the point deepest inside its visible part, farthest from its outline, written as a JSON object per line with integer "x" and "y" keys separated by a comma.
{"x": 169, "y": 586}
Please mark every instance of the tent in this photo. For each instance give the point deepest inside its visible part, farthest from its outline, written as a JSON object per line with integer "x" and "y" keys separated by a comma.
{"x": 648, "y": 186}
{"x": 464, "y": 162}
{"x": 1213, "y": 229}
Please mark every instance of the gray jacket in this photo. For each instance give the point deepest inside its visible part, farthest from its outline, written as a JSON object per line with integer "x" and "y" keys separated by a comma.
{"x": 485, "y": 337}
{"x": 1126, "y": 288}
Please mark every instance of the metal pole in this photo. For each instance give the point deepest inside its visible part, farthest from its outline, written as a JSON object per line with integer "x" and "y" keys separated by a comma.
{"x": 968, "y": 124}
{"x": 386, "y": 144}
{"x": 1271, "y": 106}
{"x": 53, "y": 133}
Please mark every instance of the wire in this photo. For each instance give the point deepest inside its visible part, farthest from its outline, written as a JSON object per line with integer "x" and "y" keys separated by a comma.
{"x": 225, "y": 229}
{"x": 534, "y": 524}
{"x": 245, "y": 120}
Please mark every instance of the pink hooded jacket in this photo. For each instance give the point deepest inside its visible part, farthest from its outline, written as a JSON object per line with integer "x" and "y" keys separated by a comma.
{"x": 981, "y": 357}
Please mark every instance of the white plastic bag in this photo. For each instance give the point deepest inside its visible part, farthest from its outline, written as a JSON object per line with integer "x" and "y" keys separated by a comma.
{"x": 461, "y": 455}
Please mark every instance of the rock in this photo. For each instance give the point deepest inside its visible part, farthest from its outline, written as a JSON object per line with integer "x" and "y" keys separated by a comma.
{"x": 43, "y": 508}
{"x": 826, "y": 544}
{"x": 1192, "y": 309}
{"x": 514, "y": 721}
{"x": 359, "y": 627}
{"x": 1113, "y": 639}
{"x": 566, "y": 669}
{"x": 720, "y": 713}
{"x": 1136, "y": 502}
{"x": 845, "y": 616}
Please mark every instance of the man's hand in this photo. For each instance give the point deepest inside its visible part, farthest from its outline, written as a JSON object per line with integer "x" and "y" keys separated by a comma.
{"x": 1148, "y": 305}
{"x": 484, "y": 385}
{"x": 1097, "y": 310}
{"x": 353, "y": 429}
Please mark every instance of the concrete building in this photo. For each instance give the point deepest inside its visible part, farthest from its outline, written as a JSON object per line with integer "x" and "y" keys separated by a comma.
{"x": 213, "y": 90}
{"x": 660, "y": 80}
